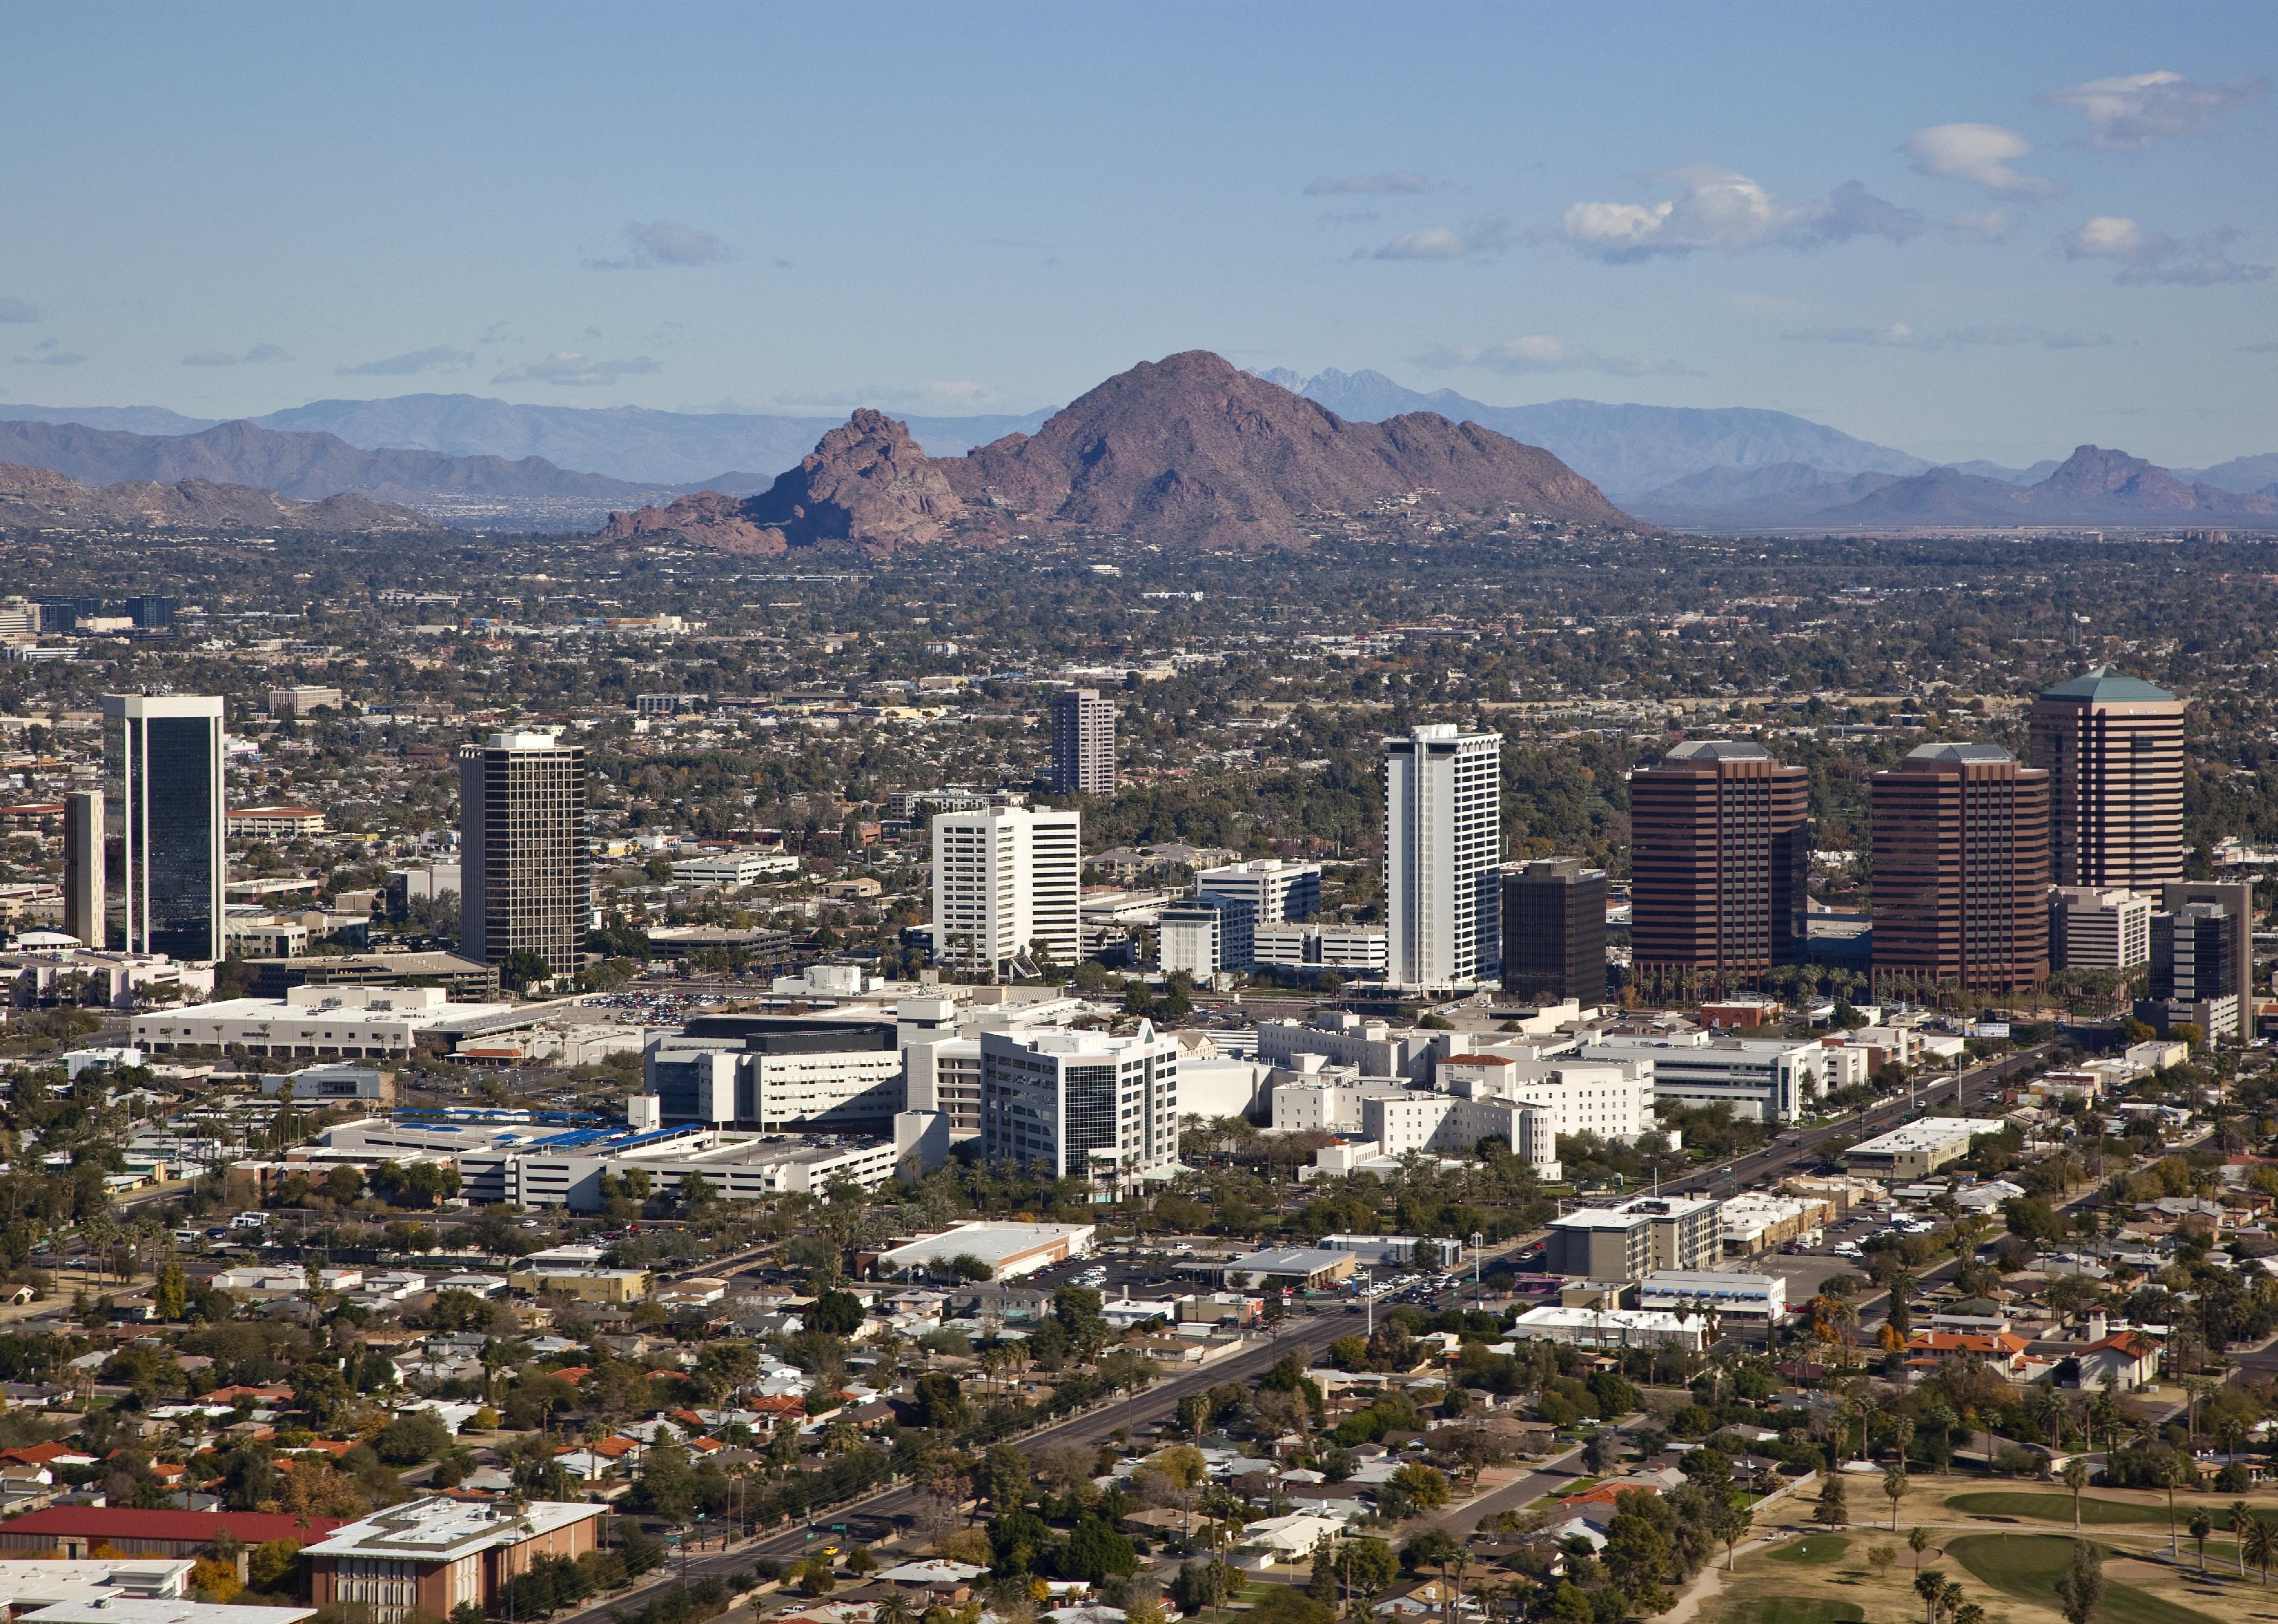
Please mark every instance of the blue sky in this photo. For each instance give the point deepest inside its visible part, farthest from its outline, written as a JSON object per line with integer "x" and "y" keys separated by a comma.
{"x": 1962, "y": 229}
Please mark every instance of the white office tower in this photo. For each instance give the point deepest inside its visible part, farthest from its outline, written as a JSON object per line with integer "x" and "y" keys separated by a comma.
{"x": 163, "y": 823}
{"x": 1442, "y": 843}
{"x": 1081, "y": 1103}
{"x": 1006, "y": 882}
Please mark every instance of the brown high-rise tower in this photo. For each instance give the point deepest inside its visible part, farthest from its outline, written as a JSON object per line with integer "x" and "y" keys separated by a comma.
{"x": 1962, "y": 869}
{"x": 2113, "y": 748}
{"x": 1720, "y": 848}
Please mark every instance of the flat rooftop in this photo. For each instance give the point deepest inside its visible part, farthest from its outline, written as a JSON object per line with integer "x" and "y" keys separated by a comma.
{"x": 438, "y": 1528}
{"x": 1930, "y": 1133}
{"x": 163, "y": 1610}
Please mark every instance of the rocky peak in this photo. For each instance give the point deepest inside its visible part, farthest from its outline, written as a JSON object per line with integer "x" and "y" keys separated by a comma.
{"x": 865, "y": 481}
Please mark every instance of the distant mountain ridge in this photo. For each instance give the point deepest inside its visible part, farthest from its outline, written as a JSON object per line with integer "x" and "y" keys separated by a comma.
{"x": 1187, "y": 450}
{"x": 42, "y": 497}
{"x": 1624, "y": 449}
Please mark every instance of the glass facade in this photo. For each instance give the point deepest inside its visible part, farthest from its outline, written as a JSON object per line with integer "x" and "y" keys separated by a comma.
{"x": 163, "y": 824}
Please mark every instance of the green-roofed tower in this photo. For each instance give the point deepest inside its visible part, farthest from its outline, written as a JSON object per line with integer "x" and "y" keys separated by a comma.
{"x": 2113, "y": 746}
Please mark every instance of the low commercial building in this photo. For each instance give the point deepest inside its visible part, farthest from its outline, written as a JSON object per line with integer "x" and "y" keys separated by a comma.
{"x": 1918, "y": 1149}
{"x": 617, "y": 1286}
{"x": 1297, "y": 1267}
{"x": 1628, "y": 1241}
{"x": 1358, "y": 951}
{"x": 1762, "y": 1079}
{"x": 460, "y": 978}
{"x": 1341, "y": 1039}
{"x": 301, "y": 702}
{"x": 163, "y": 1610}
{"x": 1754, "y": 1221}
{"x": 1397, "y": 1251}
{"x": 1750, "y": 1296}
{"x": 1610, "y": 1327}
{"x": 735, "y": 868}
{"x": 74, "y": 1531}
{"x": 358, "y": 1022}
{"x": 47, "y": 970}
{"x": 26, "y": 1584}
{"x": 274, "y": 822}
{"x": 1007, "y": 1249}
{"x": 432, "y": 1556}
{"x": 1450, "y": 1124}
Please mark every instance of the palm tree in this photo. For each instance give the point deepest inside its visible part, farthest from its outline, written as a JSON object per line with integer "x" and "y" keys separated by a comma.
{"x": 2260, "y": 1543}
{"x": 1894, "y": 1486}
{"x": 2201, "y": 1525}
{"x": 1918, "y": 1541}
{"x": 2239, "y": 1518}
{"x": 2076, "y": 1478}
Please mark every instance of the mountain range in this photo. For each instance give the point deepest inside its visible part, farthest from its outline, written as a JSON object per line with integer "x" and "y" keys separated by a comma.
{"x": 39, "y": 496}
{"x": 470, "y": 459}
{"x": 1187, "y": 450}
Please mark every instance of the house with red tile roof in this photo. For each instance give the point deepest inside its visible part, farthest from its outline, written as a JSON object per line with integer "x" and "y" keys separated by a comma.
{"x": 2121, "y": 1362}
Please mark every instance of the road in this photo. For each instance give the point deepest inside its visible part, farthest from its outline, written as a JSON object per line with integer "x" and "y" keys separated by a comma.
{"x": 1794, "y": 1151}
{"x": 895, "y": 1504}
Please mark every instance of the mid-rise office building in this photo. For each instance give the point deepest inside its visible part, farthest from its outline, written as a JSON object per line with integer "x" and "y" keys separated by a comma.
{"x": 1962, "y": 869}
{"x": 1084, "y": 743}
{"x": 1720, "y": 851}
{"x": 2235, "y": 897}
{"x": 1619, "y": 1244}
{"x": 301, "y": 701}
{"x": 1442, "y": 843}
{"x": 1554, "y": 931}
{"x": 83, "y": 901}
{"x": 1007, "y": 883}
{"x": 2194, "y": 977}
{"x": 526, "y": 867}
{"x": 2094, "y": 929}
{"x": 1279, "y": 891}
{"x": 151, "y": 612}
{"x": 778, "y": 1074}
{"x": 1762, "y": 1079}
{"x": 2113, "y": 745}
{"x": 64, "y": 614}
{"x": 1356, "y": 950}
{"x": 1207, "y": 934}
{"x": 1081, "y": 1103}
{"x": 163, "y": 823}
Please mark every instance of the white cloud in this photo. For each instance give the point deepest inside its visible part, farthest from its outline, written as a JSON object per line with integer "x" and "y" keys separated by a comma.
{"x": 256, "y": 357}
{"x": 1730, "y": 213}
{"x": 440, "y": 359}
{"x": 18, "y": 310}
{"x": 1899, "y": 335}
{"x": 1980, "y": 154}
{"x": 2150, "y": 257}
{"x": 1979, "y": 226}
{"x": 2138, "y": 109}
{"x": 942, "y": 394}
{"x": 1332, "y": 186}
{"x": 661, "y": 244}
{"x": 571, "y": 371}
{"x": 1480, "y": 240}
{"x": 1540, "y": 352}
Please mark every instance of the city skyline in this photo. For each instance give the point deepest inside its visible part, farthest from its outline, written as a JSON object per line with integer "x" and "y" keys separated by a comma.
{"x": 1957, "y": 233}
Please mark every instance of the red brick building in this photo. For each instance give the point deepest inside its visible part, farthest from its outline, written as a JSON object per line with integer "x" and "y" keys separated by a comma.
{"x": 73, "y": 1531}
{"x": 430, "y": 1555}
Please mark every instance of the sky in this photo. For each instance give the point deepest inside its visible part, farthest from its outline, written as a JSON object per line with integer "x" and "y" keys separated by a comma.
{"x": 1962, "y": 229}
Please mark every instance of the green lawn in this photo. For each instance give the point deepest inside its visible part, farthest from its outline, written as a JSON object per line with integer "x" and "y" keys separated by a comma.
{"x": 2026, "y": 1565}
{"x": 1792, "y": 1610}
{"x": 1813, "y": 1548}
{"x": 2055, "y": 1507}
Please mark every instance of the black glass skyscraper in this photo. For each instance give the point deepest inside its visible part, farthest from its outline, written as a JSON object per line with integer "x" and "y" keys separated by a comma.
{"x": 163, "y": 823}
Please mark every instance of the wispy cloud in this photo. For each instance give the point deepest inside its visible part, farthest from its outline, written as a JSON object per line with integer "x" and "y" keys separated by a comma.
{"x": 1726, "y": 212}
{"x": 2138, "y": 109}
{"x": 1333, "y": 186}
{"x": 664, "y": 244}
{"x": 1980, "y": 154}
{"x": 17, "y": 310}
{"x": 571, "y": 371}
{"x": 951, "y": 394}
{"x": 258, "y": 355}
{"x": 1899, "y": 335}
{"x": 1483, "y": 239}
{"x": 1542, "y": 352}
{"x": 47, "y": 352}
{"x": 439, "y": 359}
{"x": 1979, "y": 226}
{"x": 2145, "y": 257}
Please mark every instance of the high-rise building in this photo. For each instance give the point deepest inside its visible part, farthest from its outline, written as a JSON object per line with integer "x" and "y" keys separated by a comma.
{"x": 526, "y": 869}
{"x": 2195, "y": 953}
{"x": 1962, "y": 869}
{"x": 83, "y": 888}
{"x": 1554, "y": 931}
{"x": 163, "y": 823}
{"x": 1442, "y": 842}
{"x": 1207, "y": 934}
{"x": 64, "y": 614}
{"x": 151, "y": 612}
{"x": 1084, "y": 743}
{"x": 1081, "y": 1103}
{"x": 1280, "y": 893}
{"x": 2113, "y": 746}
{"x": 1720, "y": 852}
{"x": 2097, "y": 930}
{"x": 2235, "y": 897}
{"x": 1007, "y": 880}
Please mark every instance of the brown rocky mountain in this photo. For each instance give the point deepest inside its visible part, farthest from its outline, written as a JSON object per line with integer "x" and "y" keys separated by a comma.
{"x": 41, "y": 497}
{"x": 706, "y": 518}
{"x": 1189, "y": 449}
{"x": 2093, "y": 486}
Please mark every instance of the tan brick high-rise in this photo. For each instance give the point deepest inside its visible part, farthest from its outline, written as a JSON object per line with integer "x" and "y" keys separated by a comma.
{"x": 2113, "y": 745}
{"x": 1720, "y": 849}
{"x": 1962, "y": 869}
